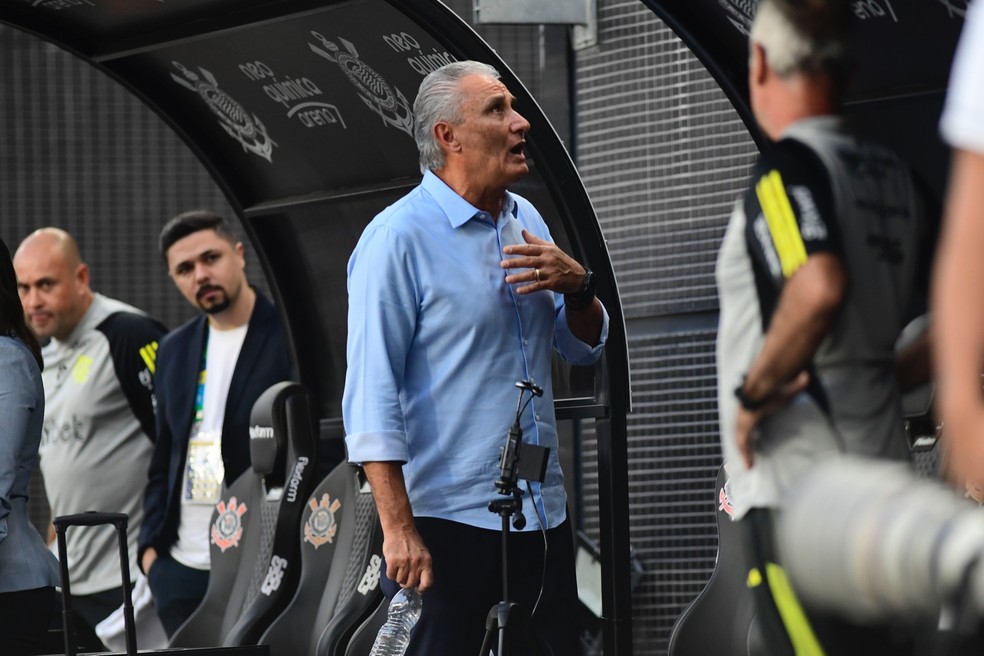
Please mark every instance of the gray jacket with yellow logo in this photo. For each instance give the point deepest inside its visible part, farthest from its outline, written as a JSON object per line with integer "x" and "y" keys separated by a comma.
{"x": 99, "y": 431}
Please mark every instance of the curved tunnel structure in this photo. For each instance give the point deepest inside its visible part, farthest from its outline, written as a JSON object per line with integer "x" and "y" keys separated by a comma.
{"x": 302, "y": 113}
{"x": 903, "y": 51}
{"x": 300, "y": 110}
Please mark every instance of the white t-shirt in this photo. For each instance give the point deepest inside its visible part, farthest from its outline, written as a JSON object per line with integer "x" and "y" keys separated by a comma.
{"x": 203, "y": 474}
{"x": 962, "y": 124}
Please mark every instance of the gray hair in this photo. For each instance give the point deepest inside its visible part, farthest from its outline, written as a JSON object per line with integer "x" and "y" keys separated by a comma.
{"x": 806, "y": 36}
{"x": 440, "y": 99}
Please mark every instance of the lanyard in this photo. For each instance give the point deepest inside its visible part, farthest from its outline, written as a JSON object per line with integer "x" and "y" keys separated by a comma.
{"x": 200, "y": 394}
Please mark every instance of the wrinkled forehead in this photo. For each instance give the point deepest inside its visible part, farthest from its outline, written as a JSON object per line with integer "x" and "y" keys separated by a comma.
{"x": 478, "y": 87}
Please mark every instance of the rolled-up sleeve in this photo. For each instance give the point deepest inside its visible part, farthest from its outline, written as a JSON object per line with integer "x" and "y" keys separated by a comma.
{"x": 571, "y": 348}
{"x": 382, "y": 315}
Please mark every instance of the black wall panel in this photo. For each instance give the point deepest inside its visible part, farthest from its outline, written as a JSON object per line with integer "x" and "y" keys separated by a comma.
{"x": 79, "y": 152}
{"x": 664, "y": 156}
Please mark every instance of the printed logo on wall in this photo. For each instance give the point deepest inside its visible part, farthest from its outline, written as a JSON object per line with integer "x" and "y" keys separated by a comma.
{"x": 321, "y": 526}
{"x": 57, "y": 5}
{"x": 247, "y": 129}
{"x": 865, "y": 9}
{"x": 375, "y": 92}
{"x": 228, "y": 526}
{"x": 739, "y": 13}
{"x": 956, "y": 7}
{"x": 294, "y": 94}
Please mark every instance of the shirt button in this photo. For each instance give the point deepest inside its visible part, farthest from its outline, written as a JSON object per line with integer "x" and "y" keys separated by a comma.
{"x": 526, "y": 342}
{"x": 538, "y": 417}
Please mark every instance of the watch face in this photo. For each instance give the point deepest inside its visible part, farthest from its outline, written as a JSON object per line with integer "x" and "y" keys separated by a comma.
{"x": 590, "y": 282}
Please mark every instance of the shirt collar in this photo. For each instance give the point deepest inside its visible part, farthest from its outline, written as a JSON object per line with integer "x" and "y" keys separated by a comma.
{"x": 829, "y": 122}
{"x": 458, "y": 210}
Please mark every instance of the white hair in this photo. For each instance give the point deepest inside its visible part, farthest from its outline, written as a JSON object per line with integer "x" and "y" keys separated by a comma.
{"x": 809, "y": 37}
{"x": 440, "y": 99}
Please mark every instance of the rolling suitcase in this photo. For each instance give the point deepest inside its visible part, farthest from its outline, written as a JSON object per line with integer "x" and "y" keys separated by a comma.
{"x": 119, "y": 521}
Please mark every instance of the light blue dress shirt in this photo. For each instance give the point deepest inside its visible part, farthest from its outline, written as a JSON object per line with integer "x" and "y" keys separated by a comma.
{"x": 436, "y": 343}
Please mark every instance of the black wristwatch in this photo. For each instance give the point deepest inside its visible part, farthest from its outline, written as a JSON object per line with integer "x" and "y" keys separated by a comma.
{"x": 747, "y": 403}
{"x": 583, "y": 298}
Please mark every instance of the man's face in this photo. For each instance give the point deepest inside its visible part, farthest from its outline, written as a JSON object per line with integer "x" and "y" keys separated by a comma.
{"x": 492, "y": 134}
{"x": 53, "y": 292}
{"x": 207, "y": 269}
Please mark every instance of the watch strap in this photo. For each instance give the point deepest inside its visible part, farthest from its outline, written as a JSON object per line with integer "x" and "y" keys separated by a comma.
{"x": 583, "y": 298}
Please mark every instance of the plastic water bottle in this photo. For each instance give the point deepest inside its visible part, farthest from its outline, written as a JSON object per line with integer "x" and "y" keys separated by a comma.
{"x": 403, "y": 613}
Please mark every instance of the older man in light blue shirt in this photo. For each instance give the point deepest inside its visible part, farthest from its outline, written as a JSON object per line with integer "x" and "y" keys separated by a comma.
{"x": 456, "y": 292}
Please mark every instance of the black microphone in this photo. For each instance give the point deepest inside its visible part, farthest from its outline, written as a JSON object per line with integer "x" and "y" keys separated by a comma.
{"x": 509, "y": 460}
{"x": 510, "y": 456}
{"x": 508, "y": 466}
{"x": 869, "y": 540}
{"x": 519, "y": 460}
{"x": 531, "y": 386}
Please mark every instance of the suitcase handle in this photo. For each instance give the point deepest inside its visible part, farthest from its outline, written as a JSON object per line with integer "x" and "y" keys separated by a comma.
{"x": 119, "y": 520}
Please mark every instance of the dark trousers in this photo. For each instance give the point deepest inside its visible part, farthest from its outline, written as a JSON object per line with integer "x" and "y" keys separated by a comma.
{"x": 468, "y": 583}
{"x": 177, "y": 590}
{"x": 24, "y": 619}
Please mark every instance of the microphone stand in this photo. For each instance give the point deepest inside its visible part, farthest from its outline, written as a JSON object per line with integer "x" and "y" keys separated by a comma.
{"x": 503, "y": 616}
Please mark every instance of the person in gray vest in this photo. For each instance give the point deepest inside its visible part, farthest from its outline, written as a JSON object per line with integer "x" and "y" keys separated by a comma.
{"x": 820, "y": 269}
{"x": 99, "y": 409}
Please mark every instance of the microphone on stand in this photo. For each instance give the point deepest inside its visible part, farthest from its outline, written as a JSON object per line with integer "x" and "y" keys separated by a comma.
{"x": 512, "y": 465}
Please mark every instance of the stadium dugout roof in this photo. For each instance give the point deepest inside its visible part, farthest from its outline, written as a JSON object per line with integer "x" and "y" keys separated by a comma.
{"x": 301, "y": 111}
{"x": 904, "y": 50}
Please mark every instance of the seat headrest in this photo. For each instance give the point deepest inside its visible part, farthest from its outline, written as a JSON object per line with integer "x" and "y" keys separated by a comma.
{"x": 268, "y": 428}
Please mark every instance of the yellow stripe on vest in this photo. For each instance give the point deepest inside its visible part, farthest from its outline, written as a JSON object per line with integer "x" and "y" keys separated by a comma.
{"x": 782, "y": 222}
{"x": 794, "y": 620}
